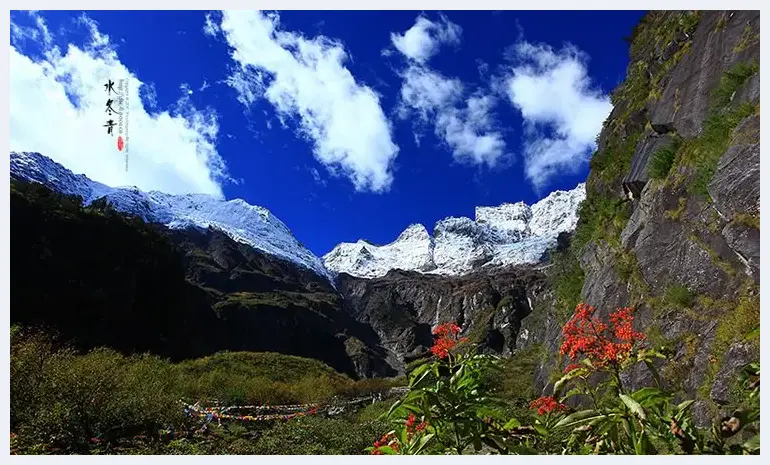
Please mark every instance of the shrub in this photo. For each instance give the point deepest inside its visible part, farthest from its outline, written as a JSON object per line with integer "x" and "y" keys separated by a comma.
{"x": 319, "y": 436}
{"x": 69, "y": 402}
{"x": 663, "y": 159}
{"x": 679, "y": 296}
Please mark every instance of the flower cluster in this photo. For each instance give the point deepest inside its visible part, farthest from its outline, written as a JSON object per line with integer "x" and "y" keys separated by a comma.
{"x": 586, "y": 335}
{"x": 446, "y": 340}
{"x": 546, "y": 404}
{"x": 386, "y": 440}
{"x": 411, "y": 428}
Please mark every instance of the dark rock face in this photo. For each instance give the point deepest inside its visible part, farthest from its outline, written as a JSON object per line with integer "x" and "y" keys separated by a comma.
{"x": 637, "y": 178}
{"x": 719, "y": 43}
{"x": 403, "y": 307}
{"x": 735, "y": 186}
{"x": 734, "y": 360}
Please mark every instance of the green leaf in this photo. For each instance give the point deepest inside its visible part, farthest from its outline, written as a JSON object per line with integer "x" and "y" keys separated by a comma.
{"x": 754, "y": 333}
{"x": 572, "y": 392}
{"x": 423, "y": 442}
{"x": 633, "y": 406}
{"x": 477, "y": 443}
{"x": 654, "y": 371}
{"x": 577, "y": 418}
{"x": 645, "y": 393}
{"x": 393, "y": 408}
{"x": 512, "y": 423}
{"x": 752, "y": 445}
{"x": 457, "y": 375}
{"x": 387, "y": 450}
{"x": 642, "y": 444}
{"x": 567, "y": 377}
{"x": 541, "y": 430}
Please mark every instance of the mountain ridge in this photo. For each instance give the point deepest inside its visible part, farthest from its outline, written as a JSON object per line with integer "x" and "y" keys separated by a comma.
{"x": 243, "y": 222}
{"x": 512, "y": 233}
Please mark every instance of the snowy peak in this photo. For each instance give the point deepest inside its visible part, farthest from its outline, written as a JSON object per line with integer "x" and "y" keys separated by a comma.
{"x": 509, "y": 234}
{"x": 414, "y": 232}
{"x": 412, "y": 250}
{"x": 506, "y": 217}
{"x": 249, "y": 224}
{"x": 558, "y": 212}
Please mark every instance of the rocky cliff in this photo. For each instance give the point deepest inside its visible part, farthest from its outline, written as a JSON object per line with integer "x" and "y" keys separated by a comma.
{"x": 403, "y": 307}
{"x": 670, "y": 224}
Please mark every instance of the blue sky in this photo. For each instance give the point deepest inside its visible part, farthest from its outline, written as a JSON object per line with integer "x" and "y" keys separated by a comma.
{"x": 345, "y": 125}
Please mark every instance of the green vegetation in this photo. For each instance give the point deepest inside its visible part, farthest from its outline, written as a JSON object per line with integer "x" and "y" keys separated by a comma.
{"x": 63, "y": 401}
{"x": 452, "y": 408}
{"x": 478, "y": 332}
{"x": 748, "y": 38}
{"x": 716, "y": 259}
{"x": 745, "y": 219}
{"x": 320, "y": 436}
{"x": 702, "y": 153}
{"x": 678, "y": 296}
{"x": 677, "y": 369}
{"x": 737, "y": 324}
{"x": 282, "y": 299}
{"x": 567, "y": 279}
{"x": 731, "y": 81}
{"x": 663, "y": 159}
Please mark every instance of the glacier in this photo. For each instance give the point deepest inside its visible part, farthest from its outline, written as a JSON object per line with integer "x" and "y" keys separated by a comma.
{"x": 245, "y": 223}
{"x": 508, "y": 234}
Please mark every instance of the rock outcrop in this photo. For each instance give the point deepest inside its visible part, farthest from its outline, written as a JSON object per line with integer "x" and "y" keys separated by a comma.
{"x": 403, "y": 307}
{"x": 670, "y": 224}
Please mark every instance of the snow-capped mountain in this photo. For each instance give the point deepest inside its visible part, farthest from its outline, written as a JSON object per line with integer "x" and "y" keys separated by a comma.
{"x": 249, "y": 224}
{"x": 509, "y": 234}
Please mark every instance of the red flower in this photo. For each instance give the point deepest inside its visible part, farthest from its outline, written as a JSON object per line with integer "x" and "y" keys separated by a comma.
{"x": 389, "y": 440}
{"x": 546, "y": 404}
{"x": 446, "y": 330}
{"x": 587, "y": 335}
{"x": 95, "y": 440}
{"x": 411, "y": 428}
{"x": 447, "y": 339}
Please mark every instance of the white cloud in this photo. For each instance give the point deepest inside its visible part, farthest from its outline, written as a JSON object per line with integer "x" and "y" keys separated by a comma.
{"x": 204, "y": 86}
{"x": 561, "y": 110}
{"x": 425, "y": 92}
{"x": 468, "y": 132}
{"x": 306, "y": 80}
{"x": 423, "y": 40}
{"x": 149, "y": 96}
{"x": 185, "y": 88}
{"x": 210, "y": 28}
{"x": 464, "y": 124}
{"x": 57, "y": 108}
